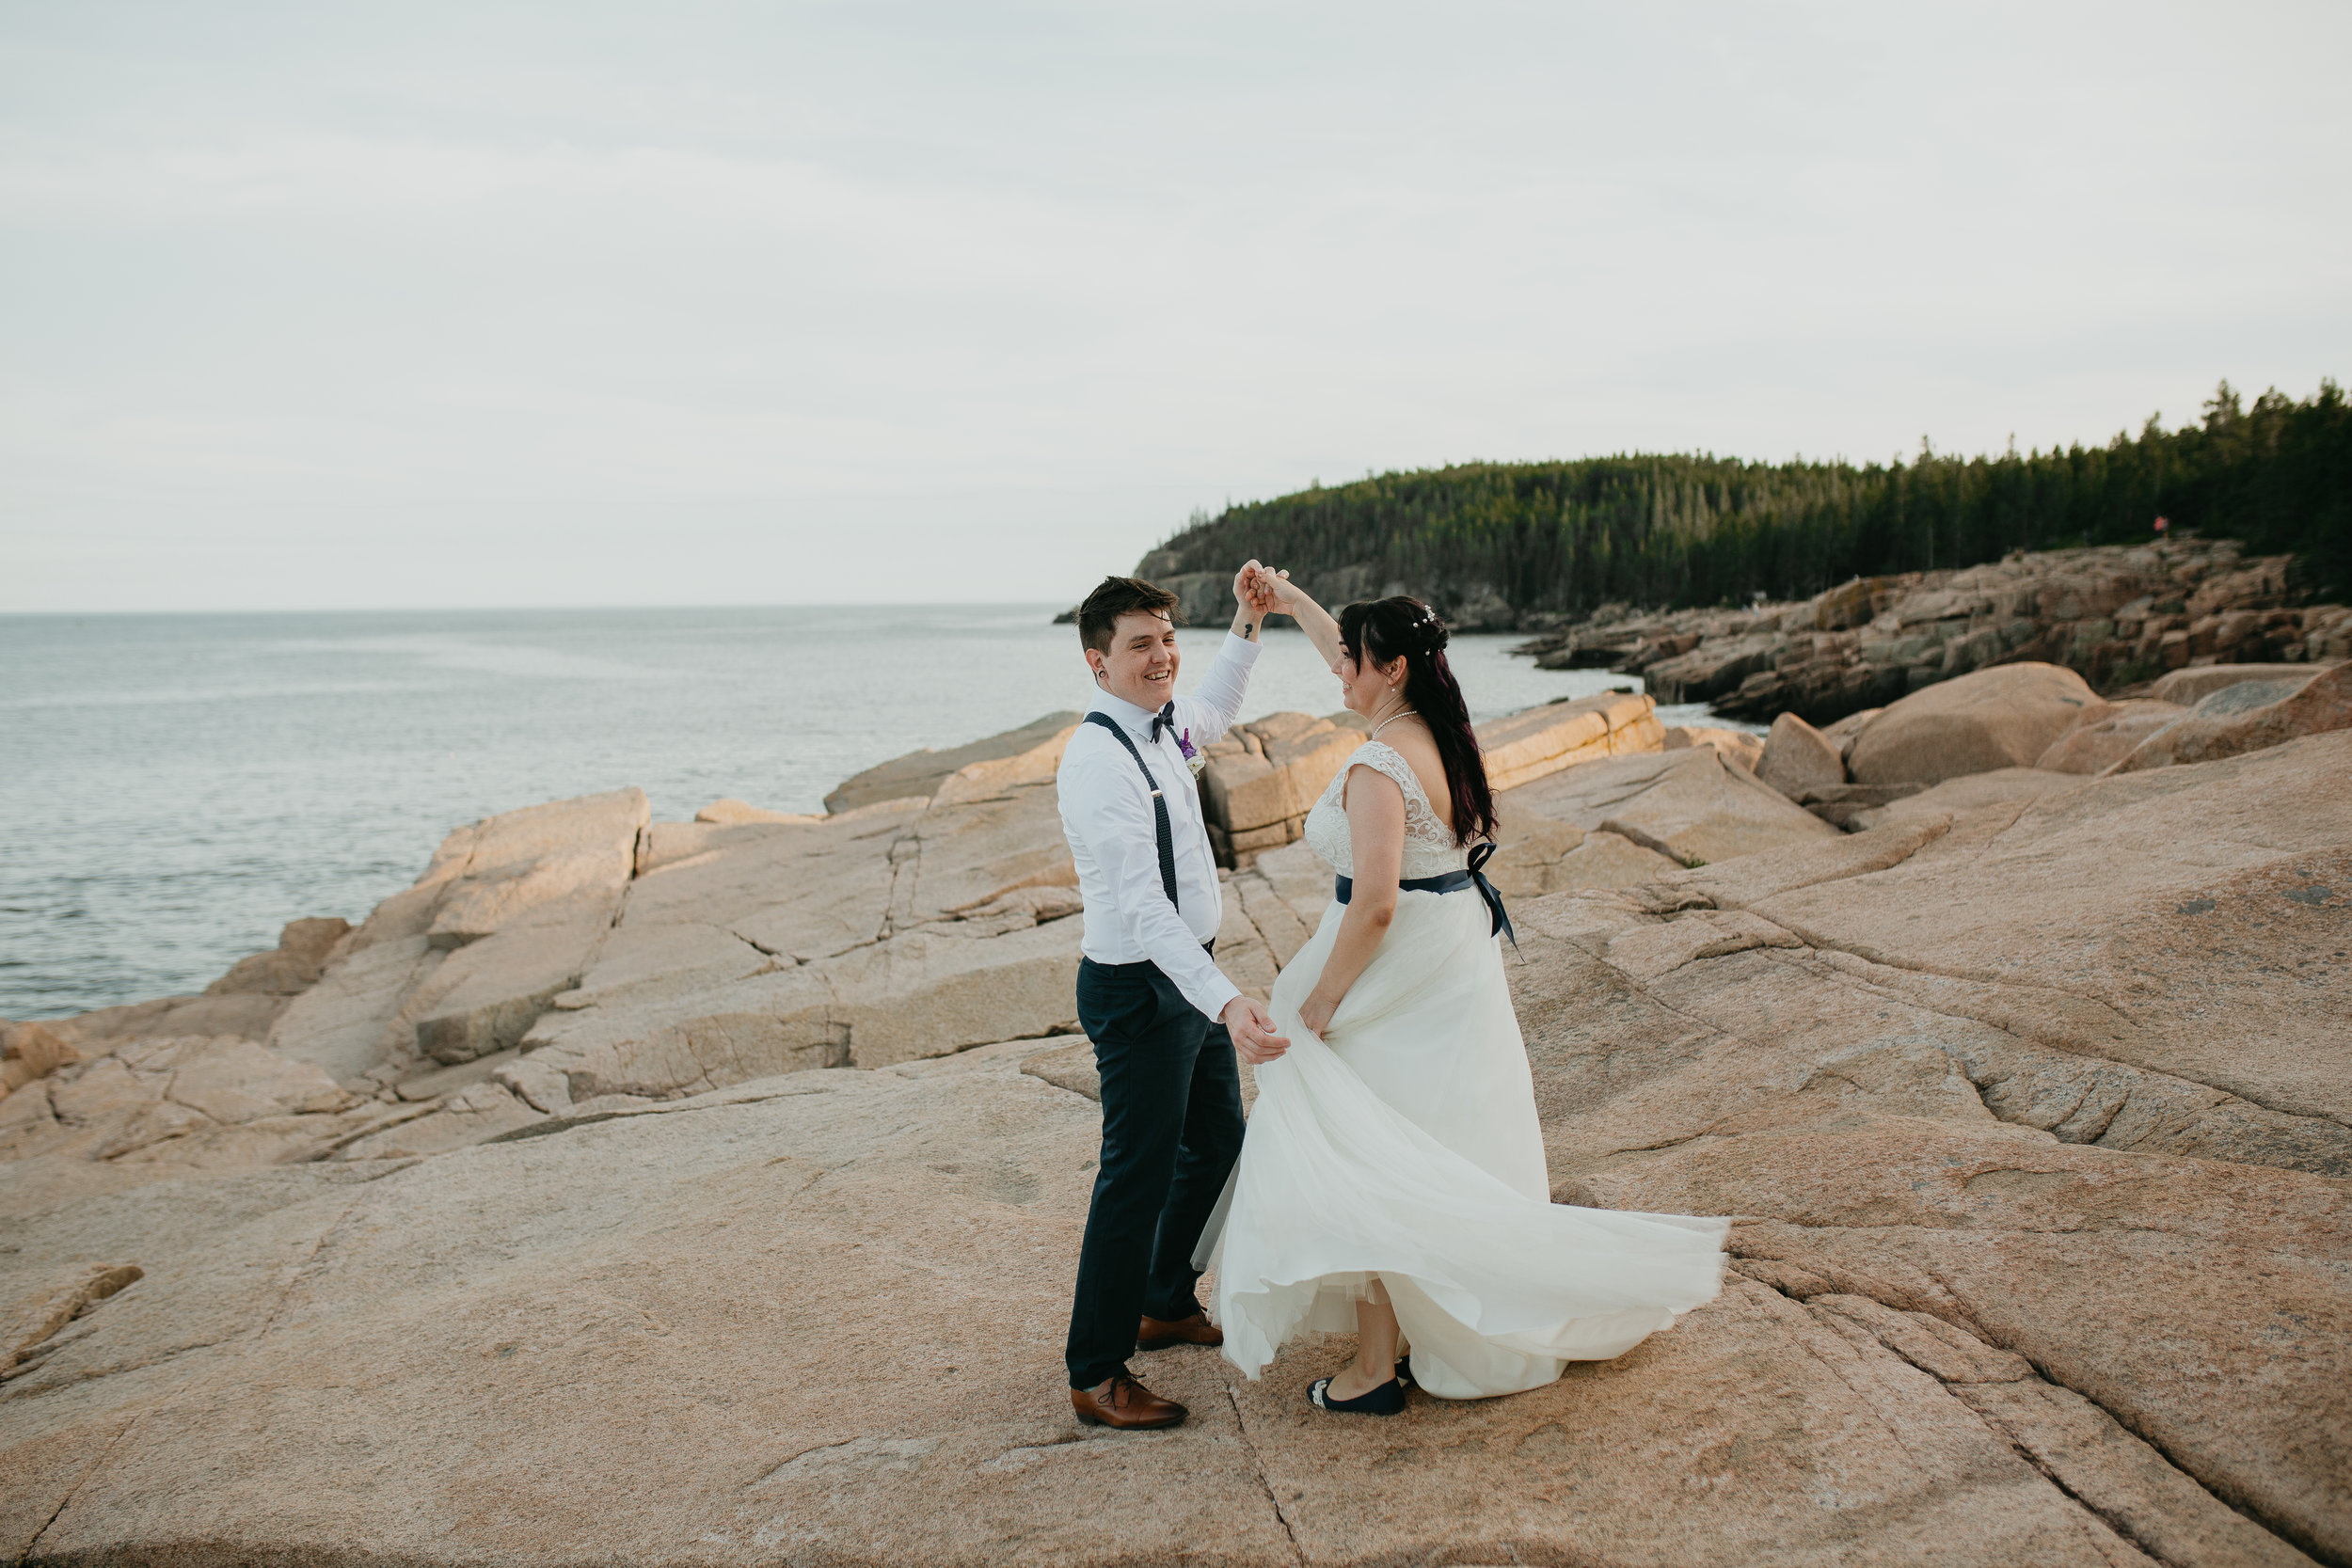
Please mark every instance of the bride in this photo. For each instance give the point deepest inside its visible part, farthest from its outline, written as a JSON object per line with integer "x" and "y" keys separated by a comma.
{"x": 1392, "y": 1177}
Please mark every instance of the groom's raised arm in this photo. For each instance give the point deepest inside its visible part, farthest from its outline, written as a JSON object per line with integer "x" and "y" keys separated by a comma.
{"x": 1228, "y": 680}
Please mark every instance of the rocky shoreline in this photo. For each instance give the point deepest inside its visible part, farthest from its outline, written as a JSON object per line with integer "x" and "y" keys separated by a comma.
{"x": 2119, "y": 616}
{"x": 707, "y": 1192}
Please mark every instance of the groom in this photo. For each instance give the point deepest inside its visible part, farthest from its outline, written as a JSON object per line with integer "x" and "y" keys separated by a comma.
{"x": 1164, "y": 1023}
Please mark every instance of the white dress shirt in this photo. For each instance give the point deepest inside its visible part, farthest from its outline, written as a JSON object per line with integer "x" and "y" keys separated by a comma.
{"x": 1107, "y": 814}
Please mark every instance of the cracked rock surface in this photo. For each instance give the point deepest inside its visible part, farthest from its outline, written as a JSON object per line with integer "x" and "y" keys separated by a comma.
{"x": 2034, "y": 1108}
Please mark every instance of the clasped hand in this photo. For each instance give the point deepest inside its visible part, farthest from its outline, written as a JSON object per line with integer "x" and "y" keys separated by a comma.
{"x": 1265, "y": 591}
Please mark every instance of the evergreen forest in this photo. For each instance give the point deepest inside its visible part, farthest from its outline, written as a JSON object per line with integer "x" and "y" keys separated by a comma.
{"x": 1680, "y": 531}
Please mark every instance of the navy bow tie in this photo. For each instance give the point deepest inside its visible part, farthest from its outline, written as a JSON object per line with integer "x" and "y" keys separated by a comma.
{"x": 1165, "y": 719}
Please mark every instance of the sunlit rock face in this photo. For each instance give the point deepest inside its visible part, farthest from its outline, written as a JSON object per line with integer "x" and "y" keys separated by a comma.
{"x": 716, "y": 1199}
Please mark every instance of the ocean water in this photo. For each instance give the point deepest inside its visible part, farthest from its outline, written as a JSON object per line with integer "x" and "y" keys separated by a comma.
{"x": 176, "y": 787}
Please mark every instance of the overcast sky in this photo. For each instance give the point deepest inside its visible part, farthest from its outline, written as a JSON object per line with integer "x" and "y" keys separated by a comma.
{"x": 428, "y": 304}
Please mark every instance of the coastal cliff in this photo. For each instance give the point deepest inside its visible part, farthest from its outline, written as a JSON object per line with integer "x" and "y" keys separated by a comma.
{"x": 708, "y": 1192}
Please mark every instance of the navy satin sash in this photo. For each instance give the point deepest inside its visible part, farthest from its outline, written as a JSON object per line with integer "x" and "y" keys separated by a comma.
{"x": 1343, "y": 889}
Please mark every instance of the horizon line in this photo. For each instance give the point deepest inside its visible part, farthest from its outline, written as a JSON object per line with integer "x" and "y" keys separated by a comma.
{"x": 535, "y": 609}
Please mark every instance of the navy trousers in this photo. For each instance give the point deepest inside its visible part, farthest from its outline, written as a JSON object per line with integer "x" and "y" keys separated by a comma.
{"x": 1171, "y": 1131}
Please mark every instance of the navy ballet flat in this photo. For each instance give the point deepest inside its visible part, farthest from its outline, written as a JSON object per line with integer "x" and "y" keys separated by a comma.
{"x": 1387, "y": 1400}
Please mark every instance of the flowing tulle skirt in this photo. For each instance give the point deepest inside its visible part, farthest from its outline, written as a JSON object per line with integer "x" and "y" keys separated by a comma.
{"x": 1403, "y": 1144}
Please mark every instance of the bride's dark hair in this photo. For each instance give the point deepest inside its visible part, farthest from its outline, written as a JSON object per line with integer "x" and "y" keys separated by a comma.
{"x": 1404, "y": 627}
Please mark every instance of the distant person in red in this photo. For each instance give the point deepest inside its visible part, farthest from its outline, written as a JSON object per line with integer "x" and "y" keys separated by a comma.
{"x": 2161, "y": 526}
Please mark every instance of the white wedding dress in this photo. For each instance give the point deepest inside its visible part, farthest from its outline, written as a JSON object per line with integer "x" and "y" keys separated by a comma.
{"x": 1403, "y": 1144}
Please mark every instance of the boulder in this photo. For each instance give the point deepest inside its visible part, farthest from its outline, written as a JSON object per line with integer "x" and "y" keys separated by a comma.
{"x": 1715, "y": 668}
{"x": 1240, "y": 785}
{"x": 1541, "y": 742}
{"x": 2249, "y": 716}
{"x": 2106, "y": 734}
{"x": 1852, "y": 602}
{"x": 665, "y": 956}
{"x": 885, "y": 933}
{"x": 409, "y": 913}
{"x": 2282, "y": 678}
{"x": 1684, "y": 805}
{"x": 1797, "y": 757}
{"x": 1031, "y": 752}
{"x": 351, "y": 1021}
{"x": 562, "y": 863}
{"x": 28, "y": 1052}
{"x": 1844, "y": 732}
{"x": 966, "y": 940}
{"x": 290, "y": 968}
{"x": 28, "y": 1126}
{"x": 1736, "y": 745}
{"x": 1000, "y": 778}
{"x": 246, "y": 1014}
{"x": 927, "y": 995}
{"x": 2004, "y": 717}
{"x": 383, "y": 1005}
{"x": 175, "y": 1105}
{"x": 954, "y": 861}
{"x": 488, "y": 994}
{"x": 663, "y": 1042}
{"x": 802, "y": 891}
{"x": 1285, "y": 760}
{"x": 234, "y": 1080}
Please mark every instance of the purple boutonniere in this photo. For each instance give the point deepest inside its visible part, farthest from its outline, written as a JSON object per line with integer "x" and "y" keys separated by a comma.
{"x": 1193, "y": 759}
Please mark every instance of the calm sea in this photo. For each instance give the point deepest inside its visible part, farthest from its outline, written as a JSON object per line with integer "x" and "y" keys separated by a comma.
{"x": 176, "y": 787}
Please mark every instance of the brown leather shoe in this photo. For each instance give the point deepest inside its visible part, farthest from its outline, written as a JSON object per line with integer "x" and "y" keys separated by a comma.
{"x": 1122, "y": 1401}
{"x": 1194, "y": 1330}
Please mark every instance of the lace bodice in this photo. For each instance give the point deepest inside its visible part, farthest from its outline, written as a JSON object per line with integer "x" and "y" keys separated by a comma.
{"x": 1429, "y": 847}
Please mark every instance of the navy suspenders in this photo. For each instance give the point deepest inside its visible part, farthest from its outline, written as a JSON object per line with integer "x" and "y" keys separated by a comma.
{"x": 1159, "y": 805}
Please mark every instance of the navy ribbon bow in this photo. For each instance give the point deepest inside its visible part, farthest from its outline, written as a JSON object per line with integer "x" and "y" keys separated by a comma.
{"x": 1165, "y": 719}
{"x": 1479, "y": 855}
{"x": 1343, "y": 889}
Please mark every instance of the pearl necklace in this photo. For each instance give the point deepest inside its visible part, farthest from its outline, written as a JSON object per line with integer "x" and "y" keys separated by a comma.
{"x": 1401, "y": 713}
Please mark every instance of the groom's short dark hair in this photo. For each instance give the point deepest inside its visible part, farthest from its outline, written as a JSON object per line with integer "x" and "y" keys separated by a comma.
{"x": 1098, "y": 617}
